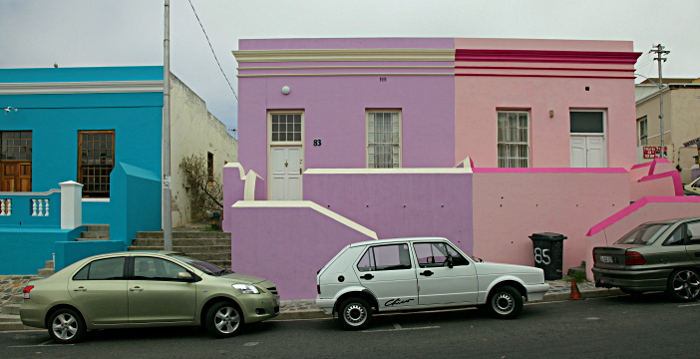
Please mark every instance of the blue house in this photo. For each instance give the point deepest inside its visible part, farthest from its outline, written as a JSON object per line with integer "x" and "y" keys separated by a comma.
{"x": 80, "y": 146}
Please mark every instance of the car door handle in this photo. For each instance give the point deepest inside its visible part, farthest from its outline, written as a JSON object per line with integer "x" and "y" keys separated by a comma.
{"x": 136, "y": 289}
{"x": 367, "y": 276}
{"x": 427, "y": 273}
{"x": 80, "y": 289}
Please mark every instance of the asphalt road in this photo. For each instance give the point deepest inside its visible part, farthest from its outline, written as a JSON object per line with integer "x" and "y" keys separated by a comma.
{"x": 616, "y": 327}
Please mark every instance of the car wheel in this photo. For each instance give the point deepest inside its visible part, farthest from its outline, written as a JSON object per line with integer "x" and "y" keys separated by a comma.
{"x": 224, "y": 320}
{"x": 505, "y": 302}
{"x": 66, "y": 326}
{"x": 355, "y": 313}
{"x": 684, "y": 285}
{"x": 630, "y": 291}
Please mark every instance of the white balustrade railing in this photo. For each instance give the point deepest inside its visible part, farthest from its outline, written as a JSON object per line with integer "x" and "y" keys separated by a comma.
{"x": 5, "y": 206}
{"x": 40, "y": 207}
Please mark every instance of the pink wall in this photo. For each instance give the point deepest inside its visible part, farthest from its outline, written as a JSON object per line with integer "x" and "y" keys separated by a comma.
{"x": 286, "y": 245}
{"x": 539, "y": 76}
{"x": 510, "y": 205}
{"x": 400, "y": 205}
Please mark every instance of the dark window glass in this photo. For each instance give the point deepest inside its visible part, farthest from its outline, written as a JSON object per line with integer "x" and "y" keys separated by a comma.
{"x": 107, "y": 269}
{"x": 156, "y": 269}
{"x": 437, "y": 254}
{"x": 388, "y": 257}
{"x": 586, "y": 122}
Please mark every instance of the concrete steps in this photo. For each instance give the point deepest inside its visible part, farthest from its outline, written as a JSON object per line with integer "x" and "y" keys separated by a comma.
{"x": 95, "y": 232}
{"x": 213, "y": 247}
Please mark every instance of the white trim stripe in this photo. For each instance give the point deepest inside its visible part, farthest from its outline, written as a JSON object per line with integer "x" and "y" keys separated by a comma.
{"x": 309, "y": 205}
{"x": 52, "y": 88}
{"x": 387, "y": 171}
{"x": 244, "y": 56}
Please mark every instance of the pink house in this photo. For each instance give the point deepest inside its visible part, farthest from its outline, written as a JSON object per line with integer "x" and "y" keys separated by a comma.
{"x": 481, "y": 141}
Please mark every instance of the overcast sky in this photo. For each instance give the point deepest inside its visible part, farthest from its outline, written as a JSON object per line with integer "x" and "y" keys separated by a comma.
{"x": 72, "y": 33}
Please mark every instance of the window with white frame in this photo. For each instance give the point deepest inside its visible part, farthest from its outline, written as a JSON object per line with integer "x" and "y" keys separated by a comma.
{"x": 286, "y": 127}
{"x": 383, "y": 139}
{"x": 642, "y": 131}
{"x": 513, "y": 139}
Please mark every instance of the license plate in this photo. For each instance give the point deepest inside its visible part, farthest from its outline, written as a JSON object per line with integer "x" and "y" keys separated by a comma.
{"x": 606, "y": 259}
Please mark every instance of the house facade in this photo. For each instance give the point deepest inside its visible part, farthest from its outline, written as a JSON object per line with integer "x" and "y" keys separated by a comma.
{"x": 481, "y": 141}
{"x": 681, "y": 114}
{"x": 100, "y": 128}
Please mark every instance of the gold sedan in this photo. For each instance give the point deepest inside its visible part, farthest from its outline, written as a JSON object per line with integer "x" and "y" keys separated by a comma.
{"x": 146, "y": 289}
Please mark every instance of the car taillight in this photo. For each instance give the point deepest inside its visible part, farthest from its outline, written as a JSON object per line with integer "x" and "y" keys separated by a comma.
{"x": 26, "y": 290}
{"x": 634, "y": 258}
{"x": 318, "y": 288}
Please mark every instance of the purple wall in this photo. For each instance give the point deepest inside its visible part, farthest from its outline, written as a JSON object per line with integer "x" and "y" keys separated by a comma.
{"x": 286, "y": 245}
{"x": 334, "y": 106}
{"x": 400, "y": 205}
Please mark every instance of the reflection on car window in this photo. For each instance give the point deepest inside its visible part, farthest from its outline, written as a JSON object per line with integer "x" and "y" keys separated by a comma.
{"x": 389, "y": 257}
{"x": 102, "y": 269}
{"x": 693, "y": 232}
{"x": 645, "y": 234}
{"x": 156, "y": 269}
{"x": 676, "y": 238}
{"x": 438, "y": 254}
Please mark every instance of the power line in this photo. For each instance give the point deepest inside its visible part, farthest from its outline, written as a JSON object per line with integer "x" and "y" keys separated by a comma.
{"x": 212, "y": 50}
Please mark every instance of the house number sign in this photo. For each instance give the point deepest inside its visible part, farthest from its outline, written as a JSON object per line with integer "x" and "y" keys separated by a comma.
{"x": 317, "y": 142}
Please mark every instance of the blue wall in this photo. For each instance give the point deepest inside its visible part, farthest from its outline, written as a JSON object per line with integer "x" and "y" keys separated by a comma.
{"x": 25, "y": 251}
{"x": 136, "y": 202}
{"x": 68, "y": 252}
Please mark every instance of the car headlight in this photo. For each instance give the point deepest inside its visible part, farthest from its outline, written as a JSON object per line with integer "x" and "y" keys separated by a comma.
{"x": 246, "y": 288}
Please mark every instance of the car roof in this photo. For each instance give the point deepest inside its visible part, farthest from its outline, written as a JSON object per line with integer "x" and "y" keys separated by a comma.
{"x": 396, "y": 240}
{"x": 673, "y": 220}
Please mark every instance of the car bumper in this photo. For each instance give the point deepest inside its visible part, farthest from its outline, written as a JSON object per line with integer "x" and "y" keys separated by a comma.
{"x": 536, "y": 291}
{"x": 32, "y": 314}
{"x": 325, "y": 304}
{"x": 643, "y": 281}
{"x": 259, "y": 307}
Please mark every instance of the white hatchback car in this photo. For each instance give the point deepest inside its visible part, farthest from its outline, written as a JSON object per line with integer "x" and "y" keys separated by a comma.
{"x": 420, "y": 274}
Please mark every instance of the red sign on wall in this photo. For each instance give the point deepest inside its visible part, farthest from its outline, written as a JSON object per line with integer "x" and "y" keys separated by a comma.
{"x": 654, "y": 151}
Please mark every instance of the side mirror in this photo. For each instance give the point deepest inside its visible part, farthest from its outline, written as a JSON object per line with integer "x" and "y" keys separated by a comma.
{"x": 185, "y": 276}
{"x": 450, "y": 264}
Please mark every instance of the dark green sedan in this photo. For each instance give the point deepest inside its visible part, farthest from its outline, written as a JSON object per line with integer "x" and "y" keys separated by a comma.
{"x": 655, "y": 256}
{"x": 145, "y": 289}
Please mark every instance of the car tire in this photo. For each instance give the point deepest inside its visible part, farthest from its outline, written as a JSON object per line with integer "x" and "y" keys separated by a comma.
{"x": 505, "y": 302}
{"x": 355, "y": 313}
{"x": 66, "y": 326}
{"x": 683, "y": 285}
{"x": 224, "y": 319}
{"x": 631, "y": 291}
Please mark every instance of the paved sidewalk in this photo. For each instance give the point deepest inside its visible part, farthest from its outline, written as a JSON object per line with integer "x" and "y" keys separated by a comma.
{"x": 306, "y": 308}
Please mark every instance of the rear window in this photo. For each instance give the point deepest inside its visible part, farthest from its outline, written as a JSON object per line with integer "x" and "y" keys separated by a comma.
{"x": 645, "y": 234}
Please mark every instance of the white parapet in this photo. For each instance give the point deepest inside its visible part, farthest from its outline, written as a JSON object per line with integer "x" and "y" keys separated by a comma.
{"x": 71, "y": 204}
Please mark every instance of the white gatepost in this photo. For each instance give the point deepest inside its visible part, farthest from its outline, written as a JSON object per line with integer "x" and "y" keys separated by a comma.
{"x": 71, "y": 204}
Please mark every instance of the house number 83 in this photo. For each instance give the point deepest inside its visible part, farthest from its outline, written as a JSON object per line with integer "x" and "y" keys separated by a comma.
{"x": 317, "y": 142}
{"x": 541, "y": 256}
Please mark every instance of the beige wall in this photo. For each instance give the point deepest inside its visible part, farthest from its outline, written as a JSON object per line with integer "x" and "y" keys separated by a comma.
{"x": 194, "y": 131}
{"x": 681, "y": 123}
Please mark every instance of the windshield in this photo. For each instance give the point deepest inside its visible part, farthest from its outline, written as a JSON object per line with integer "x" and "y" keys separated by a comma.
{"x": 205, "y": 267}
{"x": 645, "y": 234}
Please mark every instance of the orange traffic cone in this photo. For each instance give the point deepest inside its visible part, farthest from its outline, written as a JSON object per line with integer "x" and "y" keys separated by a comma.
{"x": 575, "y": 294}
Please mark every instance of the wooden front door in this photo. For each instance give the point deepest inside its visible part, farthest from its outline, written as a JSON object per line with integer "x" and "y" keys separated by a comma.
{"x": 16, "y": 177}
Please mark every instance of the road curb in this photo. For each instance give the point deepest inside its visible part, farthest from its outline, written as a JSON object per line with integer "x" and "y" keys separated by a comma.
{"x": 550, "y": 297}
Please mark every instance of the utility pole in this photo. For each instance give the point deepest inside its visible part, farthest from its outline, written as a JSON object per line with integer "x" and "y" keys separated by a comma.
{"x": 660, "y": 52}
{"x": 167, "y": 199}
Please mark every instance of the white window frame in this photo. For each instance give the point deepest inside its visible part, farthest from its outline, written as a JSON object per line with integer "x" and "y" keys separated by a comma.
{"x": 269, "y": 128}
{"x": 643, "y": 140}
{"x": 507, "y": 159}
{"x": 398, "y": 144}
{"x": 603, "y": 134}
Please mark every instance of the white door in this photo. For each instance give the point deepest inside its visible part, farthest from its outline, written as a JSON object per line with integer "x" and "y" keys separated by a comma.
{"x": 588, "y": 151}
{"x": 444, "y": 275}
{"x": 386, "y": 270}
{"x": 286, "y": 166}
